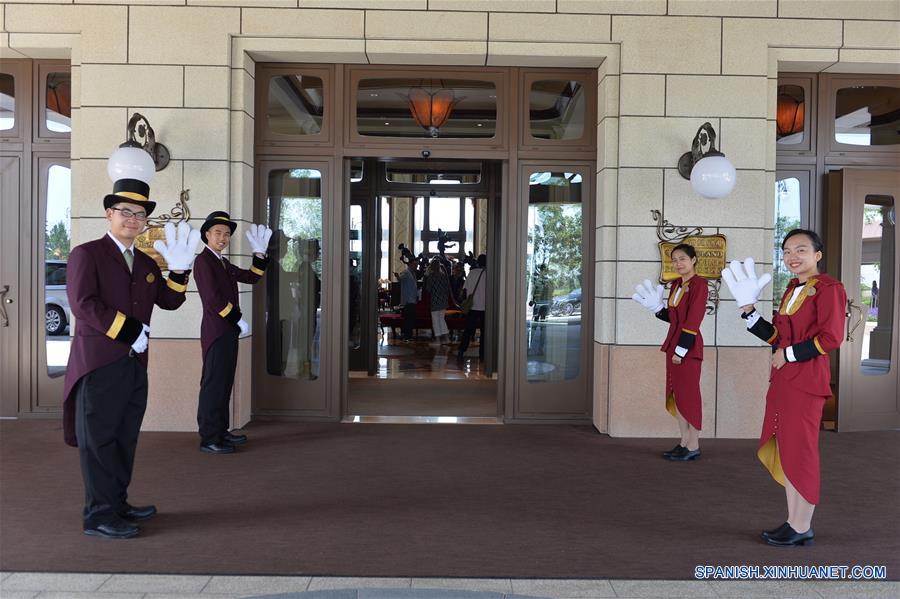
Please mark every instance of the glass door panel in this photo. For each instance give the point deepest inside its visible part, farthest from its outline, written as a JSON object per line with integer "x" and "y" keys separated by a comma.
{"x": 52, "y": 316}
{"x": 291, "y": 377}
{"x": 876, "y": 274}
{"x": 553, "y": 271}
{"x": 555, "y": 342}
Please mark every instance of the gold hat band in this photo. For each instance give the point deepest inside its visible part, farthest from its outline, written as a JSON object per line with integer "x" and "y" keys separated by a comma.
{"x": 132, "y": 195}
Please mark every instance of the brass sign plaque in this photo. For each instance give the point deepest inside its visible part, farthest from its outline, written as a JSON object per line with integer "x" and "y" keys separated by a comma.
{"x": 710, "y": 256}
{"x": 144, "y": 242}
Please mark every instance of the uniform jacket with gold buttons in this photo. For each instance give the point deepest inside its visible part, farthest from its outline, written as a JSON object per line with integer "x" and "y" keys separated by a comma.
{"x": 217, "y": 280}
{"x": 813, "y": 326}
{"x": 110, "y": 305}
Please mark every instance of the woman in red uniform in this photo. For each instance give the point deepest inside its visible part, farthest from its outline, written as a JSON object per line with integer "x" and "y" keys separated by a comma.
{"x": 683, "y": 346}
{"x": 809, "y": 324}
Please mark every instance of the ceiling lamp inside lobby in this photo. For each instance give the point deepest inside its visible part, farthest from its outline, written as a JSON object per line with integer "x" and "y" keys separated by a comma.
{"x": 431, "y": 110}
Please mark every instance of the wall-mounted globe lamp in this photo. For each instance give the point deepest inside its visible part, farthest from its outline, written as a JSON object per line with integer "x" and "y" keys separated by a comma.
{"x": 141, "y": 155}
{"x": 712, "y": 175}
{"x": 133, "y": 165}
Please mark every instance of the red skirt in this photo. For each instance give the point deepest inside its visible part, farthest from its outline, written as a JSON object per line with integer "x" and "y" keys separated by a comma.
{"x": 789, "y": 443}
{"x": 683, "y": 389}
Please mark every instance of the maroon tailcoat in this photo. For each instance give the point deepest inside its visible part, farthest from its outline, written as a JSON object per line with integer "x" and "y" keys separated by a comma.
{"x": 217, "y": 281}
{"x": 798, "y": 390}
{"x": 683, "y": 380}
{"x": 110, "y": 304}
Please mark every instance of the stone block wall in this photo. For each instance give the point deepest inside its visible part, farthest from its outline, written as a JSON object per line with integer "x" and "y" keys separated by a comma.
{"x": 664, "y": 66}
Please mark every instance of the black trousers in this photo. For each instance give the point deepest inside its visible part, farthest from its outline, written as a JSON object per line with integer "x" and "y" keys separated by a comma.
{"x": 215, "y": 387}
{"x": 109, "y": 409}
{"x": 474, "y": 320}
{"x": 409, "y": 320}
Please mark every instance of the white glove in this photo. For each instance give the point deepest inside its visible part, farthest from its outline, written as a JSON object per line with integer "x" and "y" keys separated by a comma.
{"x": 245, "y": 328}
{"x": 140, "y": 344}
{"x": 258, "y": 236}
{"x": 743, "y": 283}
{"x": 178, "y": 252}
{"x": 647, "y": 296}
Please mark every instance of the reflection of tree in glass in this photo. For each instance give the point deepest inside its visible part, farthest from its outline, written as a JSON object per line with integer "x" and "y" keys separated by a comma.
{"x": 57, "y": 242}
{"x": 301, "y": 218}
{"x": 787, "y": 201}
{"x": 557, "y": 242}
{"x": 781, "y": 276}
{"x": 872, "y": 215}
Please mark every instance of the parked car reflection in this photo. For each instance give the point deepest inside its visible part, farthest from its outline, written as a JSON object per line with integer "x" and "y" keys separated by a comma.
{"x": 56, "y": 303}
{"x": 566, "y": 305}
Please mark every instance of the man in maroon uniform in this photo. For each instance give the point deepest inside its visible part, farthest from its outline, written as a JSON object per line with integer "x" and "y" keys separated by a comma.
{"x": 217, "y": 281}
{"x": 112, "y": 288}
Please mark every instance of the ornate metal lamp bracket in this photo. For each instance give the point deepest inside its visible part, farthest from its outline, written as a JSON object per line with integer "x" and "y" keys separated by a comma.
{"x": 666, "y": 231}
{"x": 180, "y": 212}
{"x": 139, "y": 134}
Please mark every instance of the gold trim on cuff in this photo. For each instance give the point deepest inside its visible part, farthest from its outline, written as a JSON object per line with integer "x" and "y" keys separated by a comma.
{"x": 688, "y": 331}
{"x": 819, "y": 347}
{"x": 180, "y": 288}
{"x": 226, "y": 310}
{"x": 257, "y": 271}
{"x": 773, "y": 337}
{"x": 116, "y": 327}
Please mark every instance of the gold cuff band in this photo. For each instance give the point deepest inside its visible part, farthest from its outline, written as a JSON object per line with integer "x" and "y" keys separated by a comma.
{"x": 116, "y": 327}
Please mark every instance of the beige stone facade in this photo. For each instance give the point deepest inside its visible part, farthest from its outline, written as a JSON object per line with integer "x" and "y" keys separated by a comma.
{"x": 665, "y": 67}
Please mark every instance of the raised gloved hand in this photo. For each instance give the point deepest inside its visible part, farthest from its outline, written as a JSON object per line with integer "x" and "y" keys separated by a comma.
{"x": 258, "y": 236}
{"x": 649, "y": 297}
{"x": 743, "y": 283}
{"x": 178, "y": 250}
{"x": 244, "y": 327}
{"x": 140, "y": 344}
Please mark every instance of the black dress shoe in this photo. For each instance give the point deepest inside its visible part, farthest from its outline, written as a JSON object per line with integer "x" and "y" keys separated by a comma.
{"x": 775, "y": 531}
{"x": 790, "y": 537}
{"x": 231, "y": 439}
{"x": 138, "y": 513}
{"x": 116, "y": 529}
{"x": 216, "y": 448}
{"x": 685, "y": 456}
{"x": 677, "y": 450}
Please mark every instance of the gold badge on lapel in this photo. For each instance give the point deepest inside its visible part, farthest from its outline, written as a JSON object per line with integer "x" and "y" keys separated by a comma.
{"x": 151, "y": 277}
{"x": 811, "y": 291}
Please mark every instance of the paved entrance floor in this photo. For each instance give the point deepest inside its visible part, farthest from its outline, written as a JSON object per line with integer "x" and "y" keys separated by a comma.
{"x": 27, "y": 585}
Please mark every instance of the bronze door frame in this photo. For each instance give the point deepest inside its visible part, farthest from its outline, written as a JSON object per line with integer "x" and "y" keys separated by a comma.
{"x": 508, "y": 149}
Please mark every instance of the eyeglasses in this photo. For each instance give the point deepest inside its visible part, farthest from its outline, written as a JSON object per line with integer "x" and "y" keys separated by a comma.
{"x": 126, "y": 213}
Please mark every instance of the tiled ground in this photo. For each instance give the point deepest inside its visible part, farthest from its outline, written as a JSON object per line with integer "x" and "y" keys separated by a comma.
{"x": 25, "y": 585}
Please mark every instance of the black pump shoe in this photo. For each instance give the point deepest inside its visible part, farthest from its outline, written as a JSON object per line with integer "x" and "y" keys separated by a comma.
{"x": 677, "y": 450}
{"x": 685, "y": 456}
{"x": 775, "y": 531}
{"x": 790, "y": 537}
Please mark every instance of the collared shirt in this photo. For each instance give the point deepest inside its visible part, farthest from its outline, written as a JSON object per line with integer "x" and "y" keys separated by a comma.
{"x": 409, "y": 292}
{"x": 217, "y": 254}
{"x": 122, "y": 246}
